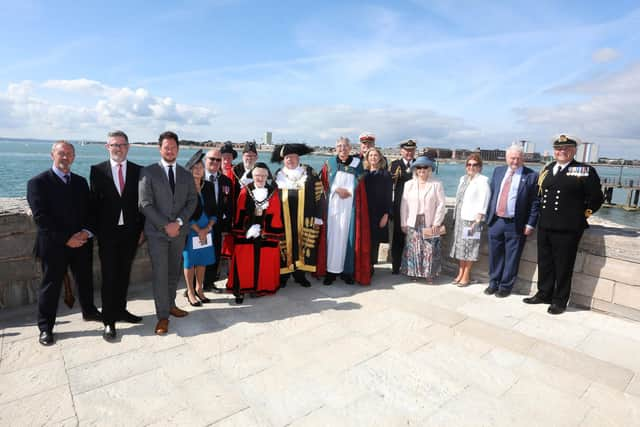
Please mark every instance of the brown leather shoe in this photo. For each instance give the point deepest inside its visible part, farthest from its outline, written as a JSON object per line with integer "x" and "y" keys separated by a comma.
{"x": 176, "y": 312}
{"x": 162, "y": 327}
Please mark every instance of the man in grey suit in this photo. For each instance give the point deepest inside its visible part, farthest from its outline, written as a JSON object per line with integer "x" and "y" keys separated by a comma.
{"x": 167, "y": 198}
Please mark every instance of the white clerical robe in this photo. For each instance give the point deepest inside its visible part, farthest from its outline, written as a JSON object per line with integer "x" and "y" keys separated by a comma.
{"x": 338, "y": 220}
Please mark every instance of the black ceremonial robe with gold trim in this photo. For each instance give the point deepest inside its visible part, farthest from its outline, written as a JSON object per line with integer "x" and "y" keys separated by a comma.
{"x": 300, "y": 207}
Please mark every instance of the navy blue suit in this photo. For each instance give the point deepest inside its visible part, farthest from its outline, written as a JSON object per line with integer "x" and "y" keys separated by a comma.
{"x": 506, "y": 235}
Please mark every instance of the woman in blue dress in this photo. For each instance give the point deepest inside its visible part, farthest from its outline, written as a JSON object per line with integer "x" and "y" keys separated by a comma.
{"x": 198, "y": 251}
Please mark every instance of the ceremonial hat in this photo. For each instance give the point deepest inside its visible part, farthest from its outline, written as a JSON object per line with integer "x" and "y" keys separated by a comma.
{"x": 565, "y": 140}
{"x": 367, "y": 137}
{"x": 260, "y": 165}
{"x": 197, "y": 157}
{"x": 250, "y": 146}
{"x": 409, "y": 144}
{"x": 228, "y": 149}
{"x": 279, "y": 151}
{"x": 422, "y": 161}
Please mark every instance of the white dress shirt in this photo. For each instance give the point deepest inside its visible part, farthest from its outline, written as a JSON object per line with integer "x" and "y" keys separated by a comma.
{"x": 116, "y": 182}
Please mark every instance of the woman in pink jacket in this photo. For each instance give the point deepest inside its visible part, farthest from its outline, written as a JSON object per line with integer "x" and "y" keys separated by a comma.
{"x": 422, "y": 211}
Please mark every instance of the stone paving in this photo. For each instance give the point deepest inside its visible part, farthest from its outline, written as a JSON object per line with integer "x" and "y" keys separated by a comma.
{"x": 395, "y": 353}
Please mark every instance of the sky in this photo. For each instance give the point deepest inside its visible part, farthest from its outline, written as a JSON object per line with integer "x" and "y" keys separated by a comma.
{"x": 447, "y": 73}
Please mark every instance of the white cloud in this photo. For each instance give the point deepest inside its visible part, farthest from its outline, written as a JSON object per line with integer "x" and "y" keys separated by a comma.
{"x": 605, "y": 54}
{"x": 96, "y": 106}
{"x": 609, "y": 113}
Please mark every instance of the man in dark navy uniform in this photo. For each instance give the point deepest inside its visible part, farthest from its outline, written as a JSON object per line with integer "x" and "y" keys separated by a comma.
{"x": 400, "y": 170}
{"x": 569, "y": 193}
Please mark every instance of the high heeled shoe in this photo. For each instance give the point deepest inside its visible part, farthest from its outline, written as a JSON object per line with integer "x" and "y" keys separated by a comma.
{"x": 194, "y": 304}
{"x": 203, "y": 299}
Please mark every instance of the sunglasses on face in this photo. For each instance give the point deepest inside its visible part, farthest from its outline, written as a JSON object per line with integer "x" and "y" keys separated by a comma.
{"x": 473, "y": 165}
{"x": 420, "y": 168}
{"x": 214, "y": 159}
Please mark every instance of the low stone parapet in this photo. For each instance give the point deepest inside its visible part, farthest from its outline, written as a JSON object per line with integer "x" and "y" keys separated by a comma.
{"x": 606, "y": 278}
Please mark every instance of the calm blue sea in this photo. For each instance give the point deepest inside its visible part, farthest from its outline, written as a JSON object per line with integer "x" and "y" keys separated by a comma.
{"x": 23, "y": 159}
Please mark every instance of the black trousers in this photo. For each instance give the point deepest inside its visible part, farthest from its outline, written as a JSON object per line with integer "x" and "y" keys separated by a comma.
{"x": 397, "y": 244}
{"x": 211, "y": 273}
{"x": 54, "y": 264}
{"x": 117, "y": 251}
{"x": 557, "y": 252}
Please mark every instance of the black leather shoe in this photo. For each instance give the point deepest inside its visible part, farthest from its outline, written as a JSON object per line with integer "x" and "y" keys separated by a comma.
{"x": 204, "y": 299}
{"x": 503, "y": 293}
{"x": 46, "y": 338}
{"x": 395, "y": 271}
{"x": 329, "y": 279}
{"x": 535, "y": 300}
{"x": 109, "y": 333}
{"x": 555, "y": 309}
{"x": 194, "y": 304}
{"x": 239, "y": 299}
{"x": 95, "y": 316}
{"x": 302, "y": 281}
{"x": 129, "y": 318}
{"x": 490, "y": 290}
{"x": 347, "y": 278}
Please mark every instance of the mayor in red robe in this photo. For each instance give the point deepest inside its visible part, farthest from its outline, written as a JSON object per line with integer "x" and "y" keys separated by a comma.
{"x": 257, "y": 231}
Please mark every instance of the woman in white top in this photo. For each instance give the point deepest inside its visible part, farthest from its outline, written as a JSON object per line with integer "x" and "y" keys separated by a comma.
{"x": 472, "y": 199}
{"x": 422, "y": 211}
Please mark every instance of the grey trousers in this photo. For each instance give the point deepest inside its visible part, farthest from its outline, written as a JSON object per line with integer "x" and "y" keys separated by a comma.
{"x": 166, "y": 262}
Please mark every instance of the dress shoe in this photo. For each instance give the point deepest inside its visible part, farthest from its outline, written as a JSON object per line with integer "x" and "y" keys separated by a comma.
{"x": 328, "y": 280}
{"x": 535, "y": 300}
{"x": 394, "y": 271}
{"x": 347, "y": 278}
{"x": 203, "y": 299}
{"x": 46, "y": 338}
{"x": 109, "y": 333}
{"x": 162, "y": 327}
{"x": 503, "y": 293}
{"x": 129, "y": 318}
{"x": 555, "y": 309}
{"x": 176, "y": 312}
{"x": 302, "y": 281}
{"x": 193, "y": 304}
{"x": 94, "y": 316}
{"x": 239, "y": 299}
{"x": 489, "y": 290}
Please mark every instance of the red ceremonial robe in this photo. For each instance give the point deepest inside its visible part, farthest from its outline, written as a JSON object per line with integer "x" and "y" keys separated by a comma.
{"x": 255, "y": 265}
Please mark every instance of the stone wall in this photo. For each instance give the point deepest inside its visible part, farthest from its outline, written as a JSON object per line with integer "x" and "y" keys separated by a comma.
{"x": 20, "y": 274}
{"x": 606, "y": 278}
{"x": 606, "y": 274}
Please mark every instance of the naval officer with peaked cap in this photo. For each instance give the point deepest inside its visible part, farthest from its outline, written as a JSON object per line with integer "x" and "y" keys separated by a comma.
{"x": 569, "y": 193}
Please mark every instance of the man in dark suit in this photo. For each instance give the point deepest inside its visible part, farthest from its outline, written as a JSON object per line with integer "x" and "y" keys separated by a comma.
{"x": 222, "y": 200}
{"x": 167, "y": 197}
{"x": 59, "y": 202}
{"x": 570, "y": 193}
{"x": 114, "y": 197}
{"x": 400, "y": 170}
{"x": 512, "y": 216}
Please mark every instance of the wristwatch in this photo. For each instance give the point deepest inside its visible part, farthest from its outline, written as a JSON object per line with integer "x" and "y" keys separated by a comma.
{"x": 179, "y": 221}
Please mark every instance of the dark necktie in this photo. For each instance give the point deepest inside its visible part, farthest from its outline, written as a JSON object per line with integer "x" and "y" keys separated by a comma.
{"x": 172, "y": 179}
{"x": 67, "y": 178}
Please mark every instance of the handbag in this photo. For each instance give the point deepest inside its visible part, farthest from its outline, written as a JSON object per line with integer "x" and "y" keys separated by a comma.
{"x": 428, "y": 233}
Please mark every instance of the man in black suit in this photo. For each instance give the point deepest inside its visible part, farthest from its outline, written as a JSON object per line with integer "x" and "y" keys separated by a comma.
{"x": 570, "y": 193}
{"x": 222, "y": 199}
{"x": 114, "y": 196}
{"x": 400, "y": 170}
{"x": 59, "y": 202}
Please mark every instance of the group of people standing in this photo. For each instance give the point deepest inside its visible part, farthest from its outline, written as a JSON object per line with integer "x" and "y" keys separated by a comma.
{"x": 267, "y": 228}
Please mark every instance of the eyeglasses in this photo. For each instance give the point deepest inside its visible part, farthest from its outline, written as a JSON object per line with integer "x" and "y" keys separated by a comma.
{"x": 473, "y": 165}
{"x": 422, "y": 167}
{"x": 214, "y": 159}
{"x": 118, "y": 145}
